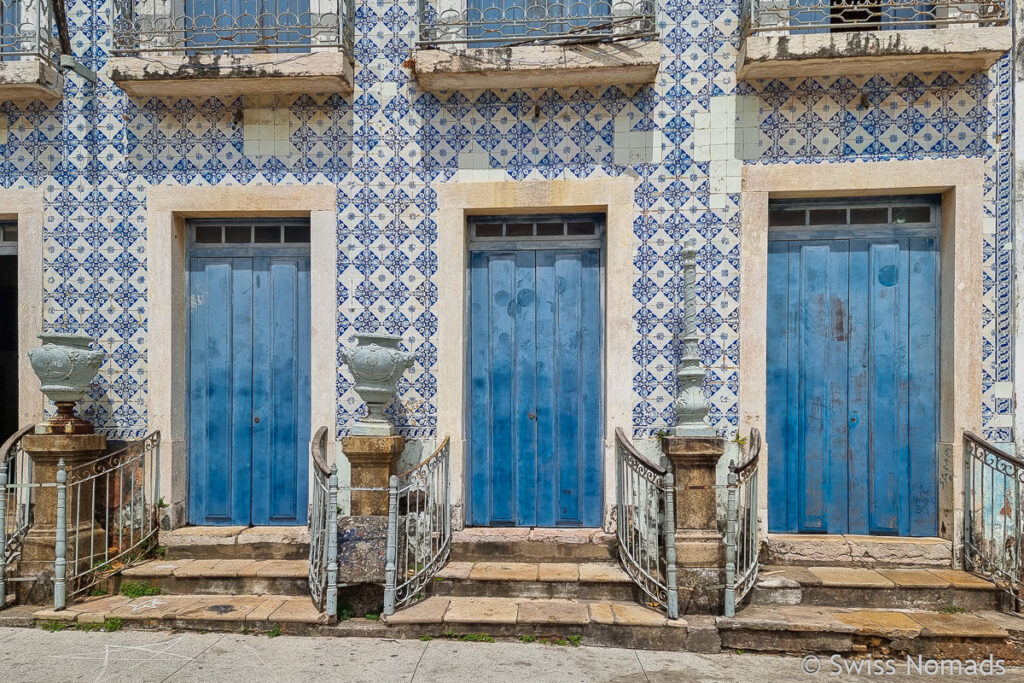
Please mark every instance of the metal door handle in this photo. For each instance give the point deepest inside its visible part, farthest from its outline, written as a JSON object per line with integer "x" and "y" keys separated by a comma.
{"x": 256, "y": 419}
{"x": 532, "y": 416}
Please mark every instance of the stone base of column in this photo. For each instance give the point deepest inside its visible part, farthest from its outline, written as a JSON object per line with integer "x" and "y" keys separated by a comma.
{"x": 704, "y": 588}
{"x": 373, "y": 460}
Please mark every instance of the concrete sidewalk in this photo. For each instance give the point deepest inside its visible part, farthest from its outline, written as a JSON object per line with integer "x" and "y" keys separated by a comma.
{"x": 29, "y": 655}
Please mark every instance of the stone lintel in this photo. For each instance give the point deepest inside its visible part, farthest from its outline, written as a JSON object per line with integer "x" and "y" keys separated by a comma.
{"x": 70, "y": 447}
{"x": 206, "y": 75}
{"x": 538, "y": 66}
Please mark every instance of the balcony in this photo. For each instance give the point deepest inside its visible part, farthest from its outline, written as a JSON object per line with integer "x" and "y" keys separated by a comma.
{"x": 199, "y": 48}
{"x": 798, "y": 38}
{"x": 476, "y": 44}
{"x": 28, "y": 52}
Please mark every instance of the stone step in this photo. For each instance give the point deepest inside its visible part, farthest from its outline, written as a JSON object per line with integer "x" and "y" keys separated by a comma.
{"x": 566, "y": 580}
{"x": 479, "y": 544}
{"x": 860, "y": 632}
{"x": 236, "y": 543}
{"x": 931, "y": 589}
{"x": 622, "y": 624}
{"x": 222, "y": 577}
{"x": 244, "y": 613}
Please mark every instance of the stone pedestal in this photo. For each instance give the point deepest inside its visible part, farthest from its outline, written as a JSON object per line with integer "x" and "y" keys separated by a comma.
{"x": 373, "y": 461}
{"x": 38, "y": 550}
{"x": 700, "y": 548}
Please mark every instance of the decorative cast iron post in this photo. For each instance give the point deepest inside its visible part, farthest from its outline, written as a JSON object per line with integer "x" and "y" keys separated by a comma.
{"x": 691, "y": 404}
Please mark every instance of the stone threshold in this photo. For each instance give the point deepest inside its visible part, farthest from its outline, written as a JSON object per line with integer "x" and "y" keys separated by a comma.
{"x": 236, "y": 542}
{"x": 858, "y": 550}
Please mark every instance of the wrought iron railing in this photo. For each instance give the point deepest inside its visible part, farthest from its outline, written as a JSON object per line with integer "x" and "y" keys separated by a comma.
{"x": 203, "y": 26}
{"x": 15, "y": 503}
{"x": 993, "y": 534}
{"x": 323, "y": 528}
{"x": 646, "y": 516}
{"x": 419, "y": 528}
{"x": 107, "y": 516}
{"x": 742, "y": 545}
{"x": 839, "y": 16}
{"x": 26, "y": 30}
{"x": 563, "y": 22}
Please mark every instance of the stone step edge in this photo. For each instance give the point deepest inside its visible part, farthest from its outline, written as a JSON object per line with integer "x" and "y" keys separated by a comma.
{"x": 157, "y": 569}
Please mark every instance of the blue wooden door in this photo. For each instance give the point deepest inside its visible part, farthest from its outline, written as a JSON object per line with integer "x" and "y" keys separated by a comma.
{"x": 248, "y": 389}
{"x": 852, "y": 386}
{"x": 535, "y": 394}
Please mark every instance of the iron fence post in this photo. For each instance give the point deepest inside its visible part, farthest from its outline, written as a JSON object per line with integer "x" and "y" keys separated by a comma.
{"x": 332, "y": 544}
{"x": 670, "y": 546}
{"x": 3, "y": 533}
{"x": 61, "y": 550}
{"x": 391, "y": 556}
{"x": 730, "y": 544}
{"x": 968, "y": 485}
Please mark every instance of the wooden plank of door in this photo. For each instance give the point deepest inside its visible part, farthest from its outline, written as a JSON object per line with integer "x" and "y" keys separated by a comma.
{"x": 502, "y": 285}
{"x": 478, "y": 415}
{"x": 524, "y": 388}
{"x": 859, "y": 409}
{"x": 592, "y": 389}
{"x": 547, "y": 401}
{"x": 923, "y": 389}
{"x": 777, "y": 344}
{"x": 568, "y": 279}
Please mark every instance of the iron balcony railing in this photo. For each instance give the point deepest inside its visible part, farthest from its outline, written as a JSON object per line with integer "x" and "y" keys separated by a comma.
{"x": 840, "y": 16}
{"x": 419, "y": 528}
{"x": 26, "y": 30}
{"x": 742, "y": 545}
{"x": 239, "y": 27}
{"x": 15, "y": 503}
{"x": 526, "y": 22}
{"x": 992, "y": 519}
{"x": 323, "y": 528}
{"x": 107, "y": 516}
{"x": 646, "y": 514}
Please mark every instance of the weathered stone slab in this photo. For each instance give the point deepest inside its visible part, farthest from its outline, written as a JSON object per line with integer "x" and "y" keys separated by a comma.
{"x": 549, "y": 535}
{"x": 851, "y": 577}
{"x": 155, "y": 568}
{"x": 429, "y": 611}
{"x": 481, "y": 611}
{"x": 601, "y": 613}
{"x": 154, "y": 608}
{"x": 282, "y": 569}
{"x": 503, "y": 571}
{"x": 455, "y": 570}
{"x": 264, "y": 610}
{"x": 602, "y": 573}
{"x": 220, "y": 608}
{"x": 558, "y": 571}
{"x": 880, "y": 623}
{"x": 298, "y": 611}
{"x": 914, "y": 578}
{"x": 959, "y": 579}
{"x": 553, "y": 612}
{"x": 635, "y": 615}
{"x": 940, "y": 625}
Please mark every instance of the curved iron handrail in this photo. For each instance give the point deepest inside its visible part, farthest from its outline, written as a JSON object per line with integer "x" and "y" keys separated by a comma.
{"x": 620, "y": 437}
{"x": 316, "y": 449}
{"x": 994, "y": 450}
{"x": 14, "y": 438}
{"x": 753, "y": 454}
{"x": 645, "y": 512}
{"x": 437, "y": 451}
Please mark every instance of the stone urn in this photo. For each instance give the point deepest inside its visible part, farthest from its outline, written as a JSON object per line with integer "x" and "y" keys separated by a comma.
{"x": 376, "y": 364}
{"x": 65, "y": 365}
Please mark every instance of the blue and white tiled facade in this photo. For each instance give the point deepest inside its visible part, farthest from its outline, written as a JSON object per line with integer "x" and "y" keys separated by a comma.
{"x": 389, "y": 146}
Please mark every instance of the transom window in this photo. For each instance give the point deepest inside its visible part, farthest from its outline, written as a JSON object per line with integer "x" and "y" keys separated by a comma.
{"x": 536, "y": 230}
{"x": 8, "y": 237}
{"x": 253, "y": 232}
{"x": 855, "y": 213}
